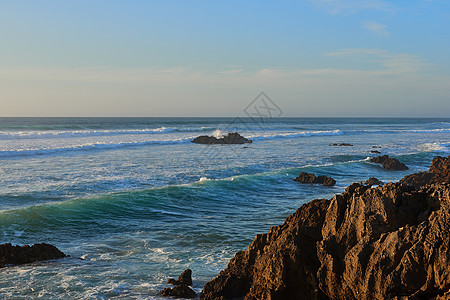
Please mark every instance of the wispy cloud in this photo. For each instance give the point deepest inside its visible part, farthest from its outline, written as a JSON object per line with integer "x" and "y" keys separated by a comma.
{"x": 395, "y": 80}
{"x": 387, "y": 64}
{"x": 390, "y": 63}
{"x": 377, "y": 28}
{"x": 351, "y": 6}
{"x": 231, "y": 71}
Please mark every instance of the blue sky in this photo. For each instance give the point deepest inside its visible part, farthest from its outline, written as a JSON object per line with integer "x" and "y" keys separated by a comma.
{"x": 211, "y": 58}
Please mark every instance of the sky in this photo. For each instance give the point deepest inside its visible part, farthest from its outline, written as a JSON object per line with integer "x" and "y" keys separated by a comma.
{"x": 313, "y": 58}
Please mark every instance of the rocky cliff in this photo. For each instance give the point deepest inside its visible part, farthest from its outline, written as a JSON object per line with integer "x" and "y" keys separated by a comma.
{"x": 386, "y": 242}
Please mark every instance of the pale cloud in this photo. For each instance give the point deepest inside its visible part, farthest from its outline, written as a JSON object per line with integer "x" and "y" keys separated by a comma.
{"x": 231, "y": 71}
{"x": 390, "y": 63}
{"x": 377, "y": 28}
{"x": 396, "y": 80}
{"x": 351, "y": 6}
{"x": 387, "y": 63}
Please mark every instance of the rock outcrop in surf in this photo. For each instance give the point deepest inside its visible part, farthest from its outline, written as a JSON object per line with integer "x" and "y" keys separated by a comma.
{"x": 182, "y": 286}
{"x": 386, "y": 242}
{"x": 18, "y": 255}
{"x": 230, "y": 138}
{"x": 341, "y": 145}
{"x": 312, "y": 178}
{"x": 389, "y": 163}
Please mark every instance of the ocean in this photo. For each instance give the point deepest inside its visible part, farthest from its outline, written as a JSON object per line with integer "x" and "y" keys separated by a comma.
{"x": 134, "y": 202}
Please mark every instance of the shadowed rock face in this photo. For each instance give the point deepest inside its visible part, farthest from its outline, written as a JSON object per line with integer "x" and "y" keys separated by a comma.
{"x": 17, "y": 255}
{"x": 182, "y": 286}
{"x": 180, "y": 291}
{"x": 387, "y": 242}
{"x": 389, "y": 163}
{"x": 230, "y": 138}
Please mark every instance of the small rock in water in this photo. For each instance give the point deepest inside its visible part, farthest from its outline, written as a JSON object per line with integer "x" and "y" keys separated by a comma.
{"x": 311, "y": 178}
{"x": 18, "y": 255}
{"x": 180, "y": 291}
{"x": 375, "y": 151}
{"x": 184, "y": 278}
{"x": 182, "y": 286}
{"x": 230, "y": 138}
{"x": 342, "y": 145}
{"x": 389, "y": 163}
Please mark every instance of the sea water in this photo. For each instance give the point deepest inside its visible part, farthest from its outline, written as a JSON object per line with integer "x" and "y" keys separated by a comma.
{"x": 134, "y": 202}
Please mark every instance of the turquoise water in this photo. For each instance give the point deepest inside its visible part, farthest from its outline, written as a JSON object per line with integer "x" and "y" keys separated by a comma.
{"x": 133, "y": 202}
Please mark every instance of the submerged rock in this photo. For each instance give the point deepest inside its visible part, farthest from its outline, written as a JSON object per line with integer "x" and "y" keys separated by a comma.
{"x": 230, "y": 138}
{"x": 388, "y": 242}
{"x": 17, "y": 255}
{"x": 389, "y": 163}
{"x": 311, "y": 178}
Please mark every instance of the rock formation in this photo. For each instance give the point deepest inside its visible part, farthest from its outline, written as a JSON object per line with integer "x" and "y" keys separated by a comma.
{"x": 341, "y": 145}
{"x": 184, "y": 278}
{"x": 182, "y": 286}
{"x": 180, "y": 291}
{"x": 389, "y": 163}
{"x": 17, "y": 255}
{"x": 230, "y": 138}
{"x": 387, "y": 242}
{"x": 373, "y": 181}
{"x": 311, "y": 178}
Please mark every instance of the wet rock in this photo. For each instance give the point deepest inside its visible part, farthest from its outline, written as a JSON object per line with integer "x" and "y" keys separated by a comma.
{"x": 184, "y": 278}
{"x": 230, "y": 138}
{"x": 182, "y": 286}
{"x": 373, "y": 181}
{"x": 17, "y": 255}
{"x": 180, "y": 291}
{"x": 311, "y": 178}
{"x": 374, "y": 151}
{"x": 341, "y": 145}
{"x": 389, "y": 163}
{"x": 388, "y": 242}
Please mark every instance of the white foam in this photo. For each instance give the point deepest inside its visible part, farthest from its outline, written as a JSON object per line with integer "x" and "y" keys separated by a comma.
{"x": 296, "y": 134}
{"x": 430, "y": 147}
{"x": 88, "y": 146}
{"x": 443, "y": 130}
{"x": 218, "y": 134}
{"x": 33, "y": 134}
{"x": 203, "y": 179}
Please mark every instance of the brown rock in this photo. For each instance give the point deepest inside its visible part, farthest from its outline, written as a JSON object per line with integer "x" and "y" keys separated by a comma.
{"x": 180, "y": 291}
{"x": 341, "y": 145}
{"x": 230, "y": 138}
{"x": 389, "y": 242}
{"x": 184, "y": 278}
{"x": 440, "y": 168}
{"x": 311, "y": 178}
{"x": 389, "y": 163}
{"x": 17, "y": 255}
{"x": 373, "y": 181}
